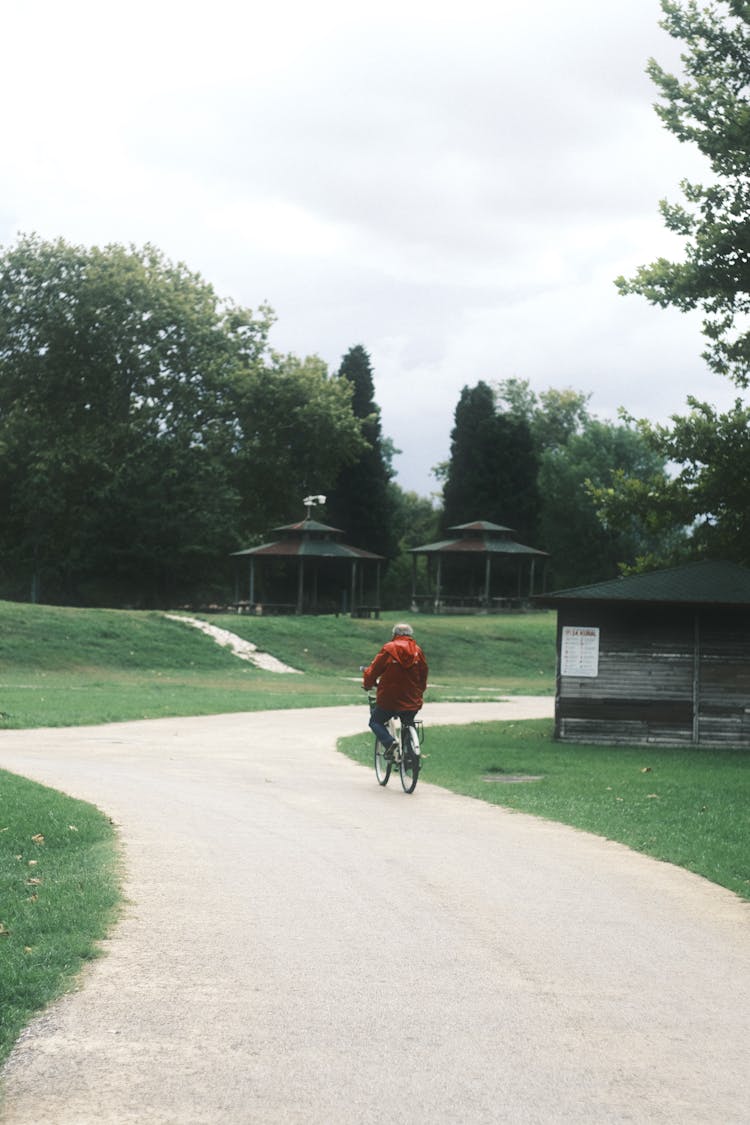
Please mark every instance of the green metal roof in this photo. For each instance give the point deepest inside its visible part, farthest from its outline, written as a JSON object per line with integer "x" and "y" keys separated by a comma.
{"x": 307, "y": 548}
{"x": 480, "y": 537}
{"x": 480, "y": 526}
{"x": 701, "y": 583}
{"x": 308, "y": 525}
{"x": 308, "y": 539}
{"x": 476, "y": 547}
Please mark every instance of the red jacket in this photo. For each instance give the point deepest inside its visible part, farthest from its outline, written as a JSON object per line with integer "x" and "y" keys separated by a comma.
{"x": 400, "y": 671}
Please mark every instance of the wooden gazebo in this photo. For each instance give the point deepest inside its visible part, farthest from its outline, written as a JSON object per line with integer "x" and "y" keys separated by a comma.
{"x": 495, "y": 555}
{"x": 330, "y": 575}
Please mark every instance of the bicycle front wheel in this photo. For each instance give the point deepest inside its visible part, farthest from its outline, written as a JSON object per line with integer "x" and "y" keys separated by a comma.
{"x": 383, "y": 765}
{"x": 410, "y": 759}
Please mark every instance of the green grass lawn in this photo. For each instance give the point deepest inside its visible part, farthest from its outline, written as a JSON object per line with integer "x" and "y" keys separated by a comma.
{"x": 59, "y": 891}
{"x": 70, "y": 667}
{"x": 690, "y": 807}
{"x": 513, "y": 653}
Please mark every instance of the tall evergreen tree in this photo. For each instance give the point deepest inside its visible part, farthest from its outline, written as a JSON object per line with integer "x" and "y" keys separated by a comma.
{"x": 492, "y": 471}
{"x": 361, "y": 502}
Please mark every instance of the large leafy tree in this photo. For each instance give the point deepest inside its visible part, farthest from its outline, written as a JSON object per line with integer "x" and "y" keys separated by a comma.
{"x": 295, "y": 429}
{"x": 703, "y": 507}
{"x": 131, "y": 399}
{"x": 362, "y": 502}
{"x": 113, "y": 443}
{"x": 577, "y": 455}
{"x": 583, "y": 547}
{"x": 492, "y": 470}
{"x": 553, "y": 416}
{"x": 709, "y": 106}
{"x": 416, "y": 521}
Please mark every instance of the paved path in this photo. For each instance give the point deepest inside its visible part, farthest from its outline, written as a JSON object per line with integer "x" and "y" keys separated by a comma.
{"x": 290, "y": 923}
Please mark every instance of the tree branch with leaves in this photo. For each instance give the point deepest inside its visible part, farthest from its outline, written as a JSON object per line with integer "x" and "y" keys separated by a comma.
{"x": 708, "y": 105}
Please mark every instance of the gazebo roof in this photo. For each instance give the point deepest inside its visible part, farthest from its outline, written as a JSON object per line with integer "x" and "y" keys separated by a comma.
{"x": 482, "y": 526}
{"x": 701, "y": 583}
{"x": 480, "y": 537}
{"x": 309, "y": 526}
{"x": 308, "y": 539}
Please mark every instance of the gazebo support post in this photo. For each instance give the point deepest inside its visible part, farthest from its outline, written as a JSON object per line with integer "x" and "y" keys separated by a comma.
{"x": 300, "y": 585}
{"x": 696, "y": 733}
{"x": 487, "y": 568}
{"x": 354, "y": 587}
{"x": 377, "y": 585}
{"x": 438, "y": 580}
{"x": 252, "y": 581}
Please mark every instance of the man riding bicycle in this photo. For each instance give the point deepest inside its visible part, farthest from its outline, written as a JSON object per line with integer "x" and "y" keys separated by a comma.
{"x": 400, "y": 671}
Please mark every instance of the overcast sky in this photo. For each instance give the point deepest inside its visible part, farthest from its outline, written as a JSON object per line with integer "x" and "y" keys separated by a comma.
{"x": 454, "y": 186}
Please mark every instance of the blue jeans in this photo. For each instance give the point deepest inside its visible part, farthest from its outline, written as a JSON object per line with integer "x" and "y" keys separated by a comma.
{"x": 379, "y": 717}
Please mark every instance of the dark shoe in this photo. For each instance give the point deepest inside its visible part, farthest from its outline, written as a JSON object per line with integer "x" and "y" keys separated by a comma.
{"x": 390, "y": 752}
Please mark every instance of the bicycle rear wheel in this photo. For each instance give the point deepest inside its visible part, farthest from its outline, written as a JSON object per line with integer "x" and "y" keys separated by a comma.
{"x": 410, "y": 758}
{"x": 383, "y": 765}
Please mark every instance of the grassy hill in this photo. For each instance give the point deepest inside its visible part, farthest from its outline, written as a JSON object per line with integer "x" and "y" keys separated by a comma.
{"x": 68, "y": 667}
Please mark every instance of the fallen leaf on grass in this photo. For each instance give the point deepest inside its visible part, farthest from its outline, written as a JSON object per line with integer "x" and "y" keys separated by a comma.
{"x": 646, "y": 769}
{"x": 34, "y": 882}
{"x": 650, "y": 795}
{"x": 38, "y": 839}
{"x": 4, "y": 932}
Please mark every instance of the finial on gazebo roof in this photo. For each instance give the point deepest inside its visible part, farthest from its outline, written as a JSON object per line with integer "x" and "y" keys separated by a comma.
{"x": 310, "y": 501}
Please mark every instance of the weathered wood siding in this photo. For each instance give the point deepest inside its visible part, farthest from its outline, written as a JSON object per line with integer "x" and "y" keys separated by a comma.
{"x": 724, "y": 711}
{"x": 666, "y": 675}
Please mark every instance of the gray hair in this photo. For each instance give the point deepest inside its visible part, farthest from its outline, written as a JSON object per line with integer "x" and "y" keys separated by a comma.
{"x": 402, "y": 630}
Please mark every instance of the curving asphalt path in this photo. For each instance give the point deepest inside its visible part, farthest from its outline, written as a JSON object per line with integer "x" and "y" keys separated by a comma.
{"x": 301, "y": 946}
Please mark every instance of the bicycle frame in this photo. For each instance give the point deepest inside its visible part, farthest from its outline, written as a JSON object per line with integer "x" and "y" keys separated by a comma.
{"x": 409, "y": 761}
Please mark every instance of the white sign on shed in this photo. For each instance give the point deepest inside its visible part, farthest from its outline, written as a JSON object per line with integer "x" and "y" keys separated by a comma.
{"x": 579, "y": 654}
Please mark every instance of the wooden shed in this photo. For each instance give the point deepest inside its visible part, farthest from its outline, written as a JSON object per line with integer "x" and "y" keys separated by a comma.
{"x": 659, "y": 658}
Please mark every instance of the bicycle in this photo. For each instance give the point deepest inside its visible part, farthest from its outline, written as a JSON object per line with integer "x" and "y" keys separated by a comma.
{"x": 407, "y": 755}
